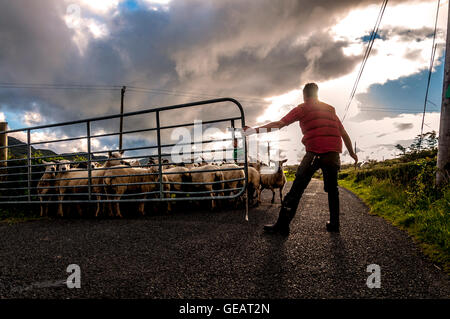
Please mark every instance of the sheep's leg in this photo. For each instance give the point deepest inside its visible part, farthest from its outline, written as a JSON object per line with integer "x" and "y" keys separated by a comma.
{"x": 42, "y": 206}
{"x": 80, "y": 211}
{"x": 258, "y": 195}
{"x": 97, "y": 211}
{"x": 273, "y": 195}
{"x": 117, "y": 208}
{"x": 169, "y": 204}
{"x": 60, "y": 204}
{"x": 142, "y": 206}
{"x": 110, "y": 206}
{"x": 120, "y": 191}
{"x": 46, "y": 209}
{"x": 213, "y": 203}
{"x": 281, "y": 194}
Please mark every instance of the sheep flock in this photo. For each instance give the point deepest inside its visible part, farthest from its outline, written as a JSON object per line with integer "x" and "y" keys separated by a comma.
{"x": 124, "y": 183}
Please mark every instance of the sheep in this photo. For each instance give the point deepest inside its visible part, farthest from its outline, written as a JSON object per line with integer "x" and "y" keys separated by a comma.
{"x": 84, "y": 165}
{"x": 45, "y": 185}
{"x": 76, "y": 181}
{"x": 67, "y": 180}
{"x": 63, "y": 166}
{"x": 274, "y": 181}
{"x": 189, "y": 165}
{"x": 136, "y": 176}
{"x": 207, "y": 177}
{"x": 230, "y": 172}
{"x": 135, "y": 163}
{"x": 183, "y": 176}
{"x": 257, "y": 165}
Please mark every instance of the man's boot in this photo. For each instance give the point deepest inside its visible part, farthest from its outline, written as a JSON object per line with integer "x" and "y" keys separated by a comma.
{"x": 282, "y": 224}
{"x": 333, "y": 202}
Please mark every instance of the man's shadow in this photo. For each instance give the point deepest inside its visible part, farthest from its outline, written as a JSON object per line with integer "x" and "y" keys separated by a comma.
{"x": 270, "y": 276}
{"x": 339, "y": 262}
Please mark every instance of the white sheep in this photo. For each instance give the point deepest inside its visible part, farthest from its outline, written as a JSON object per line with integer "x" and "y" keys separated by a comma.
{"x": 46, "y": 185}
{"x": 207, "y": 177}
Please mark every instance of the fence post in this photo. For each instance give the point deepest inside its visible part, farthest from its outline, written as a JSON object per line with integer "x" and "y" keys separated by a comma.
{"x": 29, "y": 163}
{"x": 88, "y": 132}
{"x": 122, "y": 96}
{"x": 4, "y": 150}
{"x": 235, "y": 144}
{"x": 158, "y": 132}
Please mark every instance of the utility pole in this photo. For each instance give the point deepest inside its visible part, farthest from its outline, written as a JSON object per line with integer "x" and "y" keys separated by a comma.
{"x": 268, "y": 153}
{"x": 122, "y": 96}
{"x": 443, "y": 158}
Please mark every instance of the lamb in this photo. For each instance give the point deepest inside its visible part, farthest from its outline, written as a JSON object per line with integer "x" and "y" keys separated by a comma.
{"x": 207, "y": 177}
{"x": 274, "y": 181}
{"x": 46, "y": 186}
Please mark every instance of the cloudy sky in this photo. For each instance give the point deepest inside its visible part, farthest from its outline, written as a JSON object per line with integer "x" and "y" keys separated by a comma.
{"x": 261, "y": 52}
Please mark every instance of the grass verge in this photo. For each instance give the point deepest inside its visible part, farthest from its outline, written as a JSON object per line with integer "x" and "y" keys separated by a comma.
{"x": 427, "y": 221}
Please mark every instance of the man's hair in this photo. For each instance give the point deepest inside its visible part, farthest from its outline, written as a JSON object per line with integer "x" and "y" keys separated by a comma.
{"x": 311, "y": 90}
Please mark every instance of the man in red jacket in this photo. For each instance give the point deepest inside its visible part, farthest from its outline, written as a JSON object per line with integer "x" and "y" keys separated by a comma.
{"x": 322, "y": 133}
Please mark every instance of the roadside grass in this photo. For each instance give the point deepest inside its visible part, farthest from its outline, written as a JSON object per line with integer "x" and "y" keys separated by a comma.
{"x": 417, "y": 207}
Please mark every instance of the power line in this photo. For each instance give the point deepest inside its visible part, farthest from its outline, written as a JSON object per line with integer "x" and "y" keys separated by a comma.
{"x": 189, "y": 94}
{"x": 430, "y": 71}
{"x": 366, "y": 55}
{"x": 248, "y": 98}
{"x": 48, "y": 86}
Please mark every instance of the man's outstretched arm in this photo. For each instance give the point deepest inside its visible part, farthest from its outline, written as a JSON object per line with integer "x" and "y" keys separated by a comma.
{"x": 348, "y": 144}
{"x": 266, "y": 128}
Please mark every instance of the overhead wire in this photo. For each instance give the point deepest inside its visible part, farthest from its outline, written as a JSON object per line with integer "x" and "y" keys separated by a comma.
{"x": 430, "y": 71}
{"x": 366, "y": 56}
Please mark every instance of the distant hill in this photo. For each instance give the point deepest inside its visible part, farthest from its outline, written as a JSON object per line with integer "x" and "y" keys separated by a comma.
{"x": 21, "y": 151}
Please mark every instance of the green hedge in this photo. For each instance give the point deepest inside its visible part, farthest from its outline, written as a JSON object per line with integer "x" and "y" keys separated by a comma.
{"x": 402, "y": 173}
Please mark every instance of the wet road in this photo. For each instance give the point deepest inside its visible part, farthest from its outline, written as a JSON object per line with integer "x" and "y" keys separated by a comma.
{"x": 218, "y": 255}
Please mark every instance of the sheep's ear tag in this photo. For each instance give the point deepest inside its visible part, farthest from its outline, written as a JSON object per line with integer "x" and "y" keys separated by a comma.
{"x": 447, "y": 93}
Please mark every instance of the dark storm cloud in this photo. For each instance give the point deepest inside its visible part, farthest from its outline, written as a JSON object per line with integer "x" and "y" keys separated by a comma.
{"x": 250, "y": 49}
{"x": 403, "y": 126}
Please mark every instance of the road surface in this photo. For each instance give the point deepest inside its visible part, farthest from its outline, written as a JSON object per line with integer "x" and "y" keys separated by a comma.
{"x": 218, "y": 255}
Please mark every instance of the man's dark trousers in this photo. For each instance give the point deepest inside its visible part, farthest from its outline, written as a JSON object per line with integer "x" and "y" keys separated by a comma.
{"x": 311, "y": 162}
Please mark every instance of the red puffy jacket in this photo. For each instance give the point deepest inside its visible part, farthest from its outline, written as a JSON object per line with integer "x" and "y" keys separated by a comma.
{"x": 320, "y": 126}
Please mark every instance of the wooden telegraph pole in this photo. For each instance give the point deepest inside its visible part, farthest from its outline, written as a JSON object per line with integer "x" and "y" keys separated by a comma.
{"x": 122, "y": 96}
{"x": 443, "y": 160}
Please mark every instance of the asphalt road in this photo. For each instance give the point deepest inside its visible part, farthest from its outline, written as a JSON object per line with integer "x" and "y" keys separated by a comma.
{"x": 218, "y": 255}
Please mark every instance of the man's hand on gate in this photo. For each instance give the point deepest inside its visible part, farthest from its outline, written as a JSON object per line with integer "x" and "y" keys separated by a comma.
{"x": 355, "y": 157}
{"x": 249, "y": 130}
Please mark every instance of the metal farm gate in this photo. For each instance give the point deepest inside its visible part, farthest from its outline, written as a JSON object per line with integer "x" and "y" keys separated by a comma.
{"x": 21, "y": 177}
